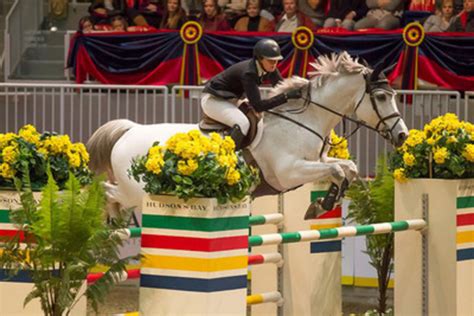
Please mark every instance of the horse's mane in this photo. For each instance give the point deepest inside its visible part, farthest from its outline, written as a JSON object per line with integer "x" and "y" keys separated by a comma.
{"x": 325, "y": 67}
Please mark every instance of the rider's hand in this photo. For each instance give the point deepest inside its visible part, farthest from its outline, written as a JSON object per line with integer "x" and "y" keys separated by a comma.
{"x": 294, "y": 94}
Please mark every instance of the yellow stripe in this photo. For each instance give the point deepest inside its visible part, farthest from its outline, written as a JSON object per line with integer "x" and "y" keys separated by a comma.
{"x": 254, "y": 299}
{"x": 416, "y": 69}
{"x": 198, "y": 69}
{"x": 183, "y": 64}
{"x": 292, "y": 64}
{"x": 132, "y": 314}
{"x": 249, "y": 275}
{"x": 347, "y": 280}
{"x": 370, "y": 282}
{"x": 195, "y": 264}
{"x": 465, "y": 237}
{"x": 101, "y": 268}
{"x": 325, "y": 226}
{"x": 305, "y": 62}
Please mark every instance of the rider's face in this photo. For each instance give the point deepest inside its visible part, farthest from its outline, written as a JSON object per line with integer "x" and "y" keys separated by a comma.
{"x": 268, "y": 65}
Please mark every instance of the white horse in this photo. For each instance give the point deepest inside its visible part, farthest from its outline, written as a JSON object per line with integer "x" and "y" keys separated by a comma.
{"x": 292, "y": 150}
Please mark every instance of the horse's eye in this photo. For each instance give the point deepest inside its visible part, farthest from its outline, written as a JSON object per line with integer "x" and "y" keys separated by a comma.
{"x": 381, "y": 97}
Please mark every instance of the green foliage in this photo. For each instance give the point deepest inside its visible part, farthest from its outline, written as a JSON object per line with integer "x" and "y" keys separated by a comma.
{"x": 65, "y": 237}
{"x": 373, "y": 202}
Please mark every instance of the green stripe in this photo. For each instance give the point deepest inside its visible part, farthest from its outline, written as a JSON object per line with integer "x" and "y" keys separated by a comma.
{"x": 328, "y": 233}
{"x": 255, "y": 241}
{"x": 196, "y": 224}
{"x": 257, "y": 220}
{"x": 400, "y": 225}
{"x": 4, "y": 218}
{"x": 364, "y": 230}
{"x": 465, "y": 202}
{"x": 135, "y": 232}
{"x": 290, "y": 237}
{"x": 317, "y": 194}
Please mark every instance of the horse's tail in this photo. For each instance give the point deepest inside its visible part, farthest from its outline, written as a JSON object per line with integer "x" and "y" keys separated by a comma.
{"x": 102, "y": 142}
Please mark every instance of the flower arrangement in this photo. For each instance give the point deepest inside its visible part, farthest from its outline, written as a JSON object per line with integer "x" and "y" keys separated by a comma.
{"x": 193, "y": 165}
{"x": 338, "y": 146}
{"x": 32, "y": 151}
{"x": 443, "y": 149}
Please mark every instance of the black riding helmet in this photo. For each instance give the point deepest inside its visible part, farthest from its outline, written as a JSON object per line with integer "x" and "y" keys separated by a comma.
{"x": 267, "y": 48}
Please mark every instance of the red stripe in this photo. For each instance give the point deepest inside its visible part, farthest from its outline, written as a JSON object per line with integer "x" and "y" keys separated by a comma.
{"x": 11, "y": 233}
{"x": 194, "y": 244}
{"x": 131, "y": 274}
{"x": 465, "y": 219}
{"x": 256, "y": 259}
{"x": 334, "y": 213}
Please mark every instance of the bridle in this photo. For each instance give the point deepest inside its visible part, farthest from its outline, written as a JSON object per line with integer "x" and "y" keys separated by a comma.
{"x": 371, "y": 88}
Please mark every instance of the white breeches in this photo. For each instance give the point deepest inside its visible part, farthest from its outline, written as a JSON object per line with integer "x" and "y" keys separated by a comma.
{"x": 224, "y": 111}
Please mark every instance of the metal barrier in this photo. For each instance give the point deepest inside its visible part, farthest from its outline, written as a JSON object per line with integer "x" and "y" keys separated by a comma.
{"x": 78, "y": 110}
{"x": 468, "y": 104}
{"x": 21, "y": 25}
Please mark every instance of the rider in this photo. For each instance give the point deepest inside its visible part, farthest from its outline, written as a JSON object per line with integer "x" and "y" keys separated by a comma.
{"x": 222, "y": 93}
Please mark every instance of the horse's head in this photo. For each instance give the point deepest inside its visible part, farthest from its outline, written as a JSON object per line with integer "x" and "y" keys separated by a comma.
{"x": 378, "y": 108}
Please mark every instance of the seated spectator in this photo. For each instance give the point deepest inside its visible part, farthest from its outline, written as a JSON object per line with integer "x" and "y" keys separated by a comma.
{"x": 271, "y": 9}
{"x": 174, "y": 16}
{"x": 252, "y": 21}
{"x": 118, "y": 24}
{"x": 212, "y": 19}
{"x": 145, "y": 12}
{"x": 441, "y": 21}
{"x": 421, "y": 5}
{"x": 382, "y": 14}
{"x": 86, "y": 25}
{"x": 315, "y": 9}
{"x": 193, "y": 8}
{"x": 292, "y": 18}
{"x": 464, "y": 22}
{"x": 344, "y": 13}
{"x": 102, "y": 10}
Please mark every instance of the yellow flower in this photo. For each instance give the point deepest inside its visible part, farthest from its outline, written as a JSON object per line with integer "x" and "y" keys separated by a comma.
{"x": 408, "y": 159}
{"x": 187, "y": 167}
{"x": 338, "y": 147}
{"x": 80, "y": 149}
{"x": 399, "y": 175}
{"x": 154, "y": 164}
{"x": 74, "y": 159}
{"x": 228, "y": 144}
{"x": 7, "y": 171}
{"x": 155, "y": 150}
{"x": 29, "y": 133}
{"x": 440, "y": 155}
{"x": 58, "y": 144}
{"x": 10, "y": 153}
{"x": 233, "y": 176}
{"x": 415, "y": 137}
{"x": 468, "y": 152}
{"x": 5, "y": 139}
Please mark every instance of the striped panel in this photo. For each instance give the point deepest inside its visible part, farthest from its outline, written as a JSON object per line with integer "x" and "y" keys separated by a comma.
{"x": 194, "y": 274}
{"x": 195, "y": 264}
{"x": 196, "y": 224}
{"x": 23, "y": 276}
{"x": 325, "y": 246}
{"x": 194, "y": 244}
{"x": 193, "y": 284}
{"x": 464, "y": 202}
{"x": 465, "y": 228}
{"x": 4, "y": 217}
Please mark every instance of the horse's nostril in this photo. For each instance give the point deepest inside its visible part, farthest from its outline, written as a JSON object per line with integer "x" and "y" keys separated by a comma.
{"x": 402, "y": 137}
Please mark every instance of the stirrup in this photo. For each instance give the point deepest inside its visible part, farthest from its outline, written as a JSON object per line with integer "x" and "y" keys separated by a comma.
{"x": 236, "y": 134}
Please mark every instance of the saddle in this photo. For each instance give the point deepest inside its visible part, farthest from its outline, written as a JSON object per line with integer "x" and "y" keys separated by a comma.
{"x": 208, "y": 124}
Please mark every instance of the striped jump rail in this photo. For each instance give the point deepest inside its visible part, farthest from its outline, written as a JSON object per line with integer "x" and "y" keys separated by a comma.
{"x": 127, "y": 233}
{"x": 255, "y": 220}
{"x": 336, "y": 233}
{"x": 130, "y": 274}
{"x": 266, "y": 258}
{"x": 274, "y": 297}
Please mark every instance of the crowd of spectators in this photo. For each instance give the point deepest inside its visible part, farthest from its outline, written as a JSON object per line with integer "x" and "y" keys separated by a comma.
{"x": 276, "y": 15}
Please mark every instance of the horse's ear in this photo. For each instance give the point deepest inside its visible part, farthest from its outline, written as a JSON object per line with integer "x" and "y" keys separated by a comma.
{"x": 376, "y": 72}
{"x": 364, "y": 62}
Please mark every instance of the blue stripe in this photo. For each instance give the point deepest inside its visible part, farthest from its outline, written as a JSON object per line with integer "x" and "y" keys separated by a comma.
{"x": 22, "y": 276}
{"x": 325, "y": 246}
{"x": 465, "y": 254}
{"x": 193, "y": 284}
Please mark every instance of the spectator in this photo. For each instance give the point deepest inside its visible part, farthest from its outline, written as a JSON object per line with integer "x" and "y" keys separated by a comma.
{"x": 344, "y": 13}
{"x": 212, "y": 19}
{"x": 421, "y": 5}
{"x": 383, "y": 14}
{"x": 315, "y": 9}
{"x": 441, "y": 21}
{"x": 102, "y": 10}
{"x": 86, "y": 25}
{"x": 145, "y": 12}
{"x": 193, "y": 8}
{"x": 292, "y": 18}
{"x": 174, "y": 16}
{"x": 271, "y": 9}
{"x": 118, "y": 24}
{"x": 464, "y": 22}
{"x": 458, "y": 6}
{"x": 253, "y": 22}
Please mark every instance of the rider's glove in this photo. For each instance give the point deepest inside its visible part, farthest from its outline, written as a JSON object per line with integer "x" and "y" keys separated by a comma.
{"x": 294, "y": 94}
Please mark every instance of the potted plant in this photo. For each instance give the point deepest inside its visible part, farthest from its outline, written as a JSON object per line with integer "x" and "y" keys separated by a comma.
{"x": 434, "y": 170}
{"x": 196, "y": 212}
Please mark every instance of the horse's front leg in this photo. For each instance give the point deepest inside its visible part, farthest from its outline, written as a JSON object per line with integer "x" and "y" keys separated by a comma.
{"x": 349, "y": 167}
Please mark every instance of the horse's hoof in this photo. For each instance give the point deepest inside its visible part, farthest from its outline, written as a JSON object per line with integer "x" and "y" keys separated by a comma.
{"x": 314, "y": 210}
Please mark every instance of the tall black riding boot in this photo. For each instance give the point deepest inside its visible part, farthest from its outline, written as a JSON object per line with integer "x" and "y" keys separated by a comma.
{"x": 236, "y": 134}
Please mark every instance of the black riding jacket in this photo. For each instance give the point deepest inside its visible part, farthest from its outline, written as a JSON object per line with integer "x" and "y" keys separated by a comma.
{"x": 242, "y": 79}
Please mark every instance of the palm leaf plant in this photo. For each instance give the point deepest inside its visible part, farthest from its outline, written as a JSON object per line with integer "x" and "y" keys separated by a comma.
{"x": 60, "y": 239}
{"x": 373, "y": 202}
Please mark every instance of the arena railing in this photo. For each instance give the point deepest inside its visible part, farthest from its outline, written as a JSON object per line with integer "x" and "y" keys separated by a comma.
{"x": 21, "y": 25}
{"x": 78, "y": 110}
